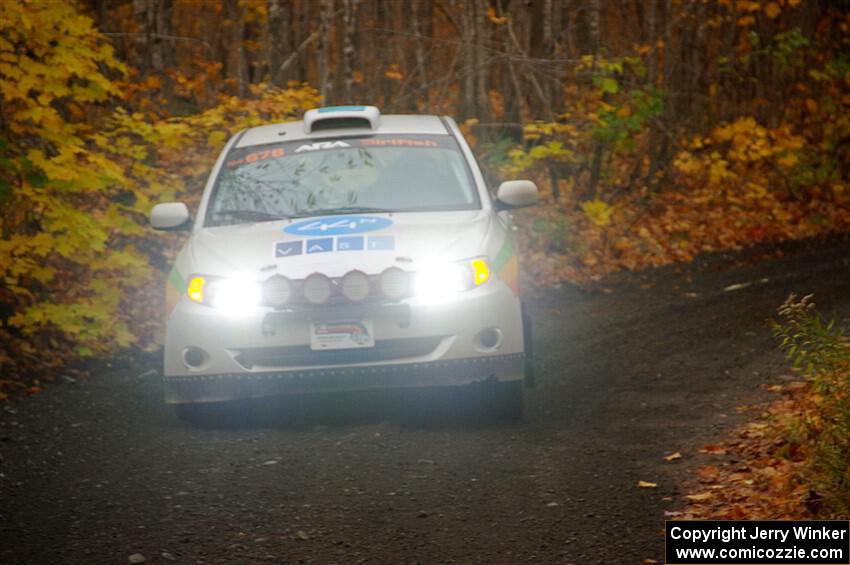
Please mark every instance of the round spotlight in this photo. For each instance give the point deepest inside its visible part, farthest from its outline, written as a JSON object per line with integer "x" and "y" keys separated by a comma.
{"x": 317, "y": 288}
{"x": 395, "y": 283}
{"x": 277, "y": 291}
{"x": 195, "y": 357}
{"x": 488, "y": 339}
{"x": 355, "y": 286}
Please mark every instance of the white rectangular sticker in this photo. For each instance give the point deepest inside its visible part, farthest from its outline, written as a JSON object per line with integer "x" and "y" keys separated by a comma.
{"x": 347, "y": 334}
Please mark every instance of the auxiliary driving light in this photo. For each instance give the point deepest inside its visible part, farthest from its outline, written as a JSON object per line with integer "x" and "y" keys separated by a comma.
{"x": 317, "y": 289}
{"x": 394, "y": 283}
{"x": 277, "y": 291}
{"x": 355, "y": 286}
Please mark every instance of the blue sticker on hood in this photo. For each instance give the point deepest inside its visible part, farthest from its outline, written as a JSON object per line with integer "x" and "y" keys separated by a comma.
{"x": 381, "y": 243}
{"x": 349, "y": 243}
{"x": 287, "y": 248}
{"x": 321, "y": 245}
{"x": 338, "y": 225}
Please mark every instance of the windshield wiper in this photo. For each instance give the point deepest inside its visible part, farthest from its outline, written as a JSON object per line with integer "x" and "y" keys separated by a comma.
{"x": 342, "y": 210}
{"x": 250, "y": 215}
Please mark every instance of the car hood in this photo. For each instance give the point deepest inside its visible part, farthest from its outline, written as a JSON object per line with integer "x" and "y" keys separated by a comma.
{"x": 297, "y": 248}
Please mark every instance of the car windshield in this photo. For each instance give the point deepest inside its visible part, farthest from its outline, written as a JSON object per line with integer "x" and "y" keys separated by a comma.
{"x": 339, "y": 176}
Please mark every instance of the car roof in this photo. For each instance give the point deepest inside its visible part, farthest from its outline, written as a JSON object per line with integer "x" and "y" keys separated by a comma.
{"x": 389, "y": 124}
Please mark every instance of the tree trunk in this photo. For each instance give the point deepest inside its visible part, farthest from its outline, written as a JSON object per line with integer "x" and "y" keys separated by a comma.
{"x": 482, "y": 66}
{"x": 279, "y": 36}
{"x": 598, "y": 150}
{"x": 323, "y": 49}
{"x": 382, "y": 49}
{"x": 467, "y": 78}
{"x": 157, "y": 45}
{"x": 349, "y": 20}
{"x": 233, "y": 47}
{"x": 423, "y": 18}
{"x": 513, "y": 92}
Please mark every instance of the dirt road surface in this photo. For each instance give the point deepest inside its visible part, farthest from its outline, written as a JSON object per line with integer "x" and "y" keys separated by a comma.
{"x": 100, "y": 471}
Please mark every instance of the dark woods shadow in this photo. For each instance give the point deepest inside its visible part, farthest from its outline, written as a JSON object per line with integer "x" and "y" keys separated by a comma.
{"x": 414, "y": 408}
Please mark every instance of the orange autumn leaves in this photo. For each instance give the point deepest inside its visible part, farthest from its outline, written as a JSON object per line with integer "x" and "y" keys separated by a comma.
{"x": 793, "y": 461}
{"x": 739, "y": 185}
{"x": 758, "y": 473}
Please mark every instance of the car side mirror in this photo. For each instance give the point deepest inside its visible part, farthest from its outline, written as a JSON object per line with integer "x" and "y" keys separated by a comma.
{"x": 171, "y": 216}
{"x": 517, "y": 194}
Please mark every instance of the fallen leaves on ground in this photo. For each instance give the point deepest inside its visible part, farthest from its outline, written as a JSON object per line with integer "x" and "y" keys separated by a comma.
{"x": 757, "y": 476}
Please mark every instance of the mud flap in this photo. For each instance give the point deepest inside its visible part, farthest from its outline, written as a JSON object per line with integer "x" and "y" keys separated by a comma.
{"x": 527, "y": 338}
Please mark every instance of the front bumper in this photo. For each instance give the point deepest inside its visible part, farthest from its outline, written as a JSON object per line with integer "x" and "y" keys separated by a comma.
{"x": 214, "y": 388}
{"x": 266, "y": 352}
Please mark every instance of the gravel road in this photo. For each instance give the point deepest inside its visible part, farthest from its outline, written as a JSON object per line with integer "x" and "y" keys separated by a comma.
{"x": 102, "y": 472}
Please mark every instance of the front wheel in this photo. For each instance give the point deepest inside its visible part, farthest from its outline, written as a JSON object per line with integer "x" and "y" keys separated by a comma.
{"x": 228, "y": 414}
{"x": 195, "y": 414}
{"x": 502, "y": 401}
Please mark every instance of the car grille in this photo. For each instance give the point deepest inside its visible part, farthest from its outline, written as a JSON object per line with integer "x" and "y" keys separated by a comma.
{"x": 303, "y": 356}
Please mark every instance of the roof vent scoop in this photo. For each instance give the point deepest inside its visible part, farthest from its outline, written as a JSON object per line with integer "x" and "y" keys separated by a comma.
{"x": 341, "y": 117}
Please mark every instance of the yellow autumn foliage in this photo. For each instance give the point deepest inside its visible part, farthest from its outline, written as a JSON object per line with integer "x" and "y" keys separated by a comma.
{"x": 598, "y": 212}
{"x": 78, "y": 175}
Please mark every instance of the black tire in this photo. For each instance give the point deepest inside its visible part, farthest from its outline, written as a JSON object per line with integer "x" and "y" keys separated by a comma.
{"x": 231, "y": 414}
{"x": 502, "y": 401}
{"x": 194, "y": 414}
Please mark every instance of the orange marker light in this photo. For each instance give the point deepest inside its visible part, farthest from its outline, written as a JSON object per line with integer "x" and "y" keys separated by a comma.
{"x": 196, "y": 289}
{"x": 480, "y": 271}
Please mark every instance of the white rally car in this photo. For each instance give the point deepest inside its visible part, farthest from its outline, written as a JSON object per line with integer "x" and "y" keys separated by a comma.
{"x": 350, "y": 250}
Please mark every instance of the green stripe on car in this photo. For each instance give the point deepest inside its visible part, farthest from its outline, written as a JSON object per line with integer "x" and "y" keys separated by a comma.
{"x": 506, "y": 251}
{"x": 177, "y": 281}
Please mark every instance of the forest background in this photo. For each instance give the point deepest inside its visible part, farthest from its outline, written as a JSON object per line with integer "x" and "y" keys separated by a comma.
{"x": 656, "y": 129}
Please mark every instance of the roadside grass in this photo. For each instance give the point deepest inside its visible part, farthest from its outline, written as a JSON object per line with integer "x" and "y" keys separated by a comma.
{"x": 793, "y": 461}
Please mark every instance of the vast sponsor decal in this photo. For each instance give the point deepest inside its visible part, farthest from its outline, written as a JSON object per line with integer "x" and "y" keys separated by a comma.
{"x": 350, "y": 243}
{"x": 321, "y": 245}
{"x": 288, "y": 248}
{"x": 338, "y": 225}
{"x": 283, "y": 249}
{"x": 381, "y": 243}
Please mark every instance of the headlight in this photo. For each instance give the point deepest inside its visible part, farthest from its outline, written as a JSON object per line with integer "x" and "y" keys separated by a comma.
{"x": 277, "y": 290}
{"x": 355, "y": 286}
{"x": 226, "y": 294}
{"x": 394, "y": 283}
{"x": 438, "y": 281}
{"x": 317, "y": 289}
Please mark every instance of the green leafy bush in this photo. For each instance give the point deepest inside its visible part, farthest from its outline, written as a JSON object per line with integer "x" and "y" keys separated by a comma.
{"x": 821, "y": 350}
